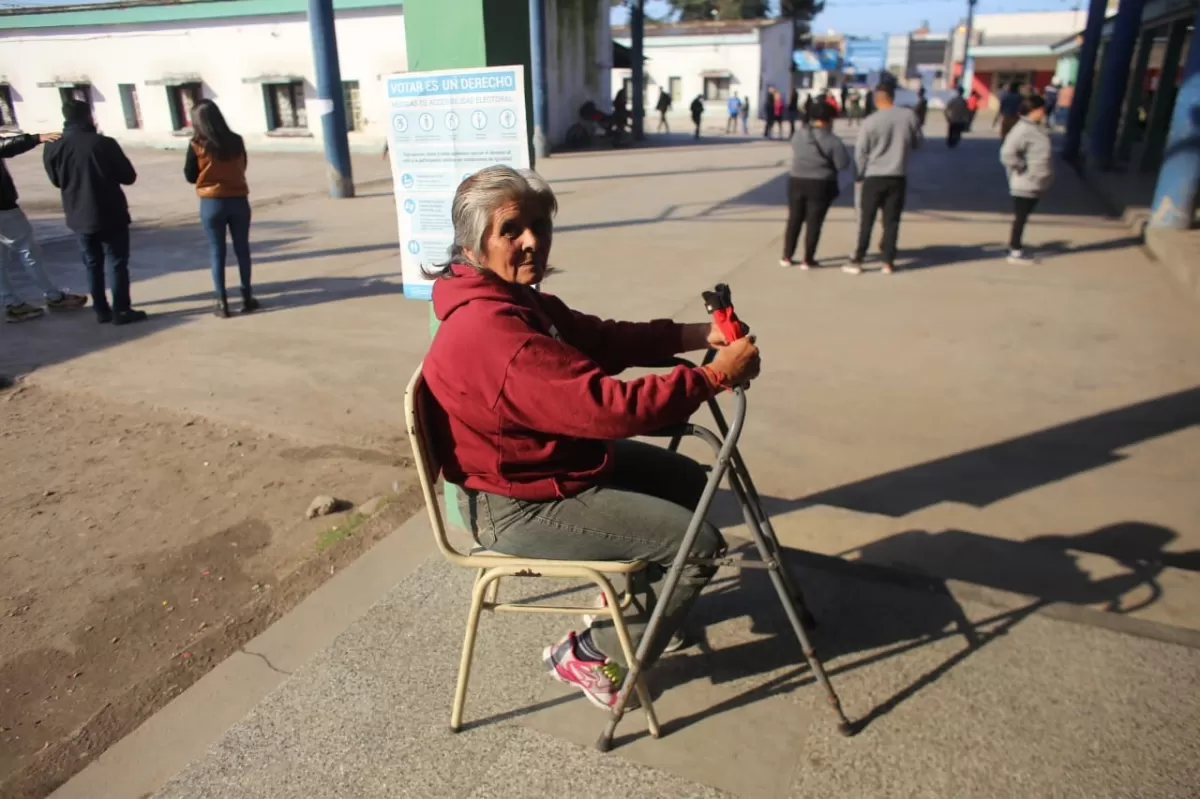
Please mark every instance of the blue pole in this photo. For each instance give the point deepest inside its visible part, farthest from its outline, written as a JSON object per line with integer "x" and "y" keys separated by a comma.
{"x": 329, "y": 98}
{"x": 1175, "y": 193}
{"x": 1085, "y": 79}
{"x": 637, "y": 29}
{"x": 537, "y": 64}
{"x": 1113, "y": 77}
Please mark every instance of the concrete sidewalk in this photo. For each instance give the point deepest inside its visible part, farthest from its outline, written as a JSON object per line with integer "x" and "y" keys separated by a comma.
{"x": 1030, "y": 431}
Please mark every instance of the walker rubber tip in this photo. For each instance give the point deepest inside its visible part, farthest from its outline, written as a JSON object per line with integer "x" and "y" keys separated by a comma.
{"x": 456, "y": 728}
{"x": 603, "y": 743}
{"x": 847, "y": 729}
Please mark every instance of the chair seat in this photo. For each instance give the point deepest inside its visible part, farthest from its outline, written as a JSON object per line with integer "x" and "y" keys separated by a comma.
{"x": 481, "y": 558}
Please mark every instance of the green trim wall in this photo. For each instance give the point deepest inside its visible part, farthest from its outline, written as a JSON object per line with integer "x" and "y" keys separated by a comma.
{"x": 185, "y": 11}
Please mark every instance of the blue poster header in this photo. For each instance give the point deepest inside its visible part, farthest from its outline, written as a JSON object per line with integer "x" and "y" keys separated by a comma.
{"x": 466, "y": 83}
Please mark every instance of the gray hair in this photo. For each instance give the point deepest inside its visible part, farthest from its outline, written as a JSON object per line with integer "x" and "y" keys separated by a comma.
{"x": 478, "y": 197}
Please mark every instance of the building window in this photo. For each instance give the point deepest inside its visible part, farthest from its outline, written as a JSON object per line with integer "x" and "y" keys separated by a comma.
{"x": 80, "y": 91}
{"x": 129, "y": 105}
{"x": 285, "y": 106}
{"x": 8, "y": 116}
{"x": 676, "y": 88}
{"x": 181, "y": 99}
{"x": 353, "y": 101}
{"x": 716, "y": 88}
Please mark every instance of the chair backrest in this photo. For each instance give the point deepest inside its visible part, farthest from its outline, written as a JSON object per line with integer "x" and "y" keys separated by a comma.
{"x": 416, "y": 415}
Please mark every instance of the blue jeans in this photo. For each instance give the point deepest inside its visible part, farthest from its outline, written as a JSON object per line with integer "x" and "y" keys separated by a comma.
{"x": 18, "y": 242}
{"x": 111, "y": 246}
{"x": 217, "y": 214}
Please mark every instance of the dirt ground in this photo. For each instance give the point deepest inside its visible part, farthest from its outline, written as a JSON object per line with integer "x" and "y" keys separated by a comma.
{"x": 139, "y": 548}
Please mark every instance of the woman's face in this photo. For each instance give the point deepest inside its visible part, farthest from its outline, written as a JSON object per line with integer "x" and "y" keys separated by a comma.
{"x": 517, "y": 242}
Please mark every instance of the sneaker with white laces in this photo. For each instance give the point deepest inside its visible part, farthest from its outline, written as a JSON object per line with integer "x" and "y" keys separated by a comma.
{"x": 600, "y": 680}
{"x": 1020, "y": 257}
{"x": 21, "y": 312}
{"x": 785, "y": 262}
{"x": 887, "y": 269}
{"x": 853, "y": 268}
{"x": 67, "y": 302}
{"x": 806, "y": 265}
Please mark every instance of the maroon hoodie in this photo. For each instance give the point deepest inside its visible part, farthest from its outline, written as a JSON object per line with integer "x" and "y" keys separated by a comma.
{"x": 528, "y": 405}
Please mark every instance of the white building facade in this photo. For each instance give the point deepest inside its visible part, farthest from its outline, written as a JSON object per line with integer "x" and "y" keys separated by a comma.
{"x": 143, "y": 65}
{"x": 713, "y": 60}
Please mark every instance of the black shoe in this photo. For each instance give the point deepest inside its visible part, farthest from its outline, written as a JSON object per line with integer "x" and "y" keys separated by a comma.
{"x": 249, "y": 304}
{"x": 221, "y": 309}
{"x": 129, "y": 317}
{"x": 104, "y": 315}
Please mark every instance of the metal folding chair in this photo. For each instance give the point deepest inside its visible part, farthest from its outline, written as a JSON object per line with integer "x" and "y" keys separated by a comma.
{"x": 492, "y": 567}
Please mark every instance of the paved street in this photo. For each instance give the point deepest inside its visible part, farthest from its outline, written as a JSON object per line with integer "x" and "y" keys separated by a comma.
{"x": 1027, "y": 437}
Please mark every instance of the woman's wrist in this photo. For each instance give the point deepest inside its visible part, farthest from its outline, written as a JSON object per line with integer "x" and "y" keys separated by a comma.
{"x": 694, "y": 336}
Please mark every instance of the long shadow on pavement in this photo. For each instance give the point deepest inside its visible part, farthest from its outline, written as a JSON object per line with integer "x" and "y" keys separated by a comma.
{"x": 867, "y": 615}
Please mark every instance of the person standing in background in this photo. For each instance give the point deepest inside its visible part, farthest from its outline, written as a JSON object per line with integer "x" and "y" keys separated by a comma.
{"x": 216, "y": 164}
{"x": 1010, "y": 109}
{"x": 1050, "y": 93}
{"x": 17, "y": 241}
{"x": 1027, "y": 158}
{"x": 855, "y": 112}
{"x": 780, "y": 110}
{"x": 881, "y": 158}
{"x": 869, "y": 102}
{"x": 663, "y": 106}
{"x": 1062, "y": 108}
{"x": 817, "y": 158}
{"x": 958, "y": 117}
{"x": 845, "y": 93}
{"x": 793, "y": 111}
{"x": 769, "y": 109}
{"x": 735, "y": 107}
{"x": 922, "y": 108}
{"x": 697, "y": 110}
{"x": 972, "y": 108}
{"x": 745, "y": 116}
{"x": 90, "y": 170}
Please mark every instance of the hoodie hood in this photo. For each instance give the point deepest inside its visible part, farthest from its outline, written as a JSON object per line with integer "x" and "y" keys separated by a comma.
{"x": 468, "y": 284}
{"x": 77, "y": 115}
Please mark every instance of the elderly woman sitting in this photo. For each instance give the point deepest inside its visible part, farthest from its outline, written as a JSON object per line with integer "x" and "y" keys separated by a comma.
{"x": 532, "y": 423}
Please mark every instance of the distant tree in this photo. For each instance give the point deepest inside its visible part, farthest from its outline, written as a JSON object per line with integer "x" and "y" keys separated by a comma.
{"x": 691, "y": 10}
{"x": 801, "y": 13}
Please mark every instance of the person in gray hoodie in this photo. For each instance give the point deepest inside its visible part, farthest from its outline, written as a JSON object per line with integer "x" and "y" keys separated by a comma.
{"x": 1027, "y": 157}
{"x": 881, "y": 156}
{"x": 817, "y": 157}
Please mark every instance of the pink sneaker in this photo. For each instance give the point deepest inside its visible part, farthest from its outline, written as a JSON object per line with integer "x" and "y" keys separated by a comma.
{"x": 600, "y": 681}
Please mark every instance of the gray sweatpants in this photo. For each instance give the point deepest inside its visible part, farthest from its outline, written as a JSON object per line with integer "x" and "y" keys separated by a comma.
{"x": 641, "y": 513}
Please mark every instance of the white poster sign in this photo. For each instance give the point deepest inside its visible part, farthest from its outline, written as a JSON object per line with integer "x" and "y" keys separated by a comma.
{"x": 443, "y": 127}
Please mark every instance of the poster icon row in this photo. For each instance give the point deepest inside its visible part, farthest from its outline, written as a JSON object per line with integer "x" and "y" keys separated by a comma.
{"x": 452, "y": 120}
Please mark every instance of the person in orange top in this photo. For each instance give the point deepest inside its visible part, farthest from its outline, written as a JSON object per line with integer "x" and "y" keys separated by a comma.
{"x": 216, "y": 164}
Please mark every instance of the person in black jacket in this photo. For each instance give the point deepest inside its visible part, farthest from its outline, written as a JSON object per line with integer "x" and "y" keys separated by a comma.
{"x": 18, "y": 242}
{"x": 90, "y": 169}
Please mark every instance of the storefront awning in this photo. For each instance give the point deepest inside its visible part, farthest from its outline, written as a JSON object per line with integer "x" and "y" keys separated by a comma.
{"x": 65, "y": 83}
{"x": 716, "y": 73}
{"x": 274, "y": 79}
{"x": 176, "y": 79}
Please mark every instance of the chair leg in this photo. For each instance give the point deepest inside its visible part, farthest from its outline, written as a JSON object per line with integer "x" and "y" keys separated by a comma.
{"x": 482, "y": 584}
{"x": 614, "y": 610}
{"x": 493, "y": 592}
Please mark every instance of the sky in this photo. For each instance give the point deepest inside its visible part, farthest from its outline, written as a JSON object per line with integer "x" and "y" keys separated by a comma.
{"x": 877, "y": 17}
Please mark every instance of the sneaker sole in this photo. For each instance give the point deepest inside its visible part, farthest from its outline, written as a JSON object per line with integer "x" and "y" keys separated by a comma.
{"x": 16, "y": 320}
{"x": 548, "y": 659}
